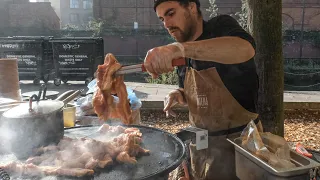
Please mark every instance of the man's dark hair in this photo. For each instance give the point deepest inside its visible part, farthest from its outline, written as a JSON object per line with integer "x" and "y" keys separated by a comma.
{"x": 182, "y": 2}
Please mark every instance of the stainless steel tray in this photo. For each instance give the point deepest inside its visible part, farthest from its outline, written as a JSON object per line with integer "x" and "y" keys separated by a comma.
{"x": 250, "y": 167}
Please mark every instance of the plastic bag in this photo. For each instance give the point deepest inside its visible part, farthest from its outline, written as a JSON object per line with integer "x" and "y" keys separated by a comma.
{"x": 268, "y": 147}
{"x": 92, "y": 86}
{"x": 84, "y": 106}
{"x": 135, "y": 102}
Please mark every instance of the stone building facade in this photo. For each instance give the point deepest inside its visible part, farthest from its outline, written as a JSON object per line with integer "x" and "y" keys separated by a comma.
{"x": 73, "y": 12}
{"x": 23, "y": 16}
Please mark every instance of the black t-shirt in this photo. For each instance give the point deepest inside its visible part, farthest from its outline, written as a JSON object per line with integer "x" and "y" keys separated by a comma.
{"x": 240, "y": 79}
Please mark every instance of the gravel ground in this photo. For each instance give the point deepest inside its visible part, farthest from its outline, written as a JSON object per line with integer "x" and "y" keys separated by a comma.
{"x": 303, "y": 126}
{"x": 300, "y": 125}
{"x": 158, "y": 119}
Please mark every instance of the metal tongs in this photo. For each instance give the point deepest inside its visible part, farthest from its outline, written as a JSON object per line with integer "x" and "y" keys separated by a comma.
{"x": 140, "y": 67}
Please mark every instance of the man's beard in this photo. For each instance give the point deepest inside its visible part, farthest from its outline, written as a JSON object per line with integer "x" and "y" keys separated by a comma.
{"x": 185, "y": 35}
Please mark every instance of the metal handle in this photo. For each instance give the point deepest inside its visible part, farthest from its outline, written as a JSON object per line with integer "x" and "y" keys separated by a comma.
{"x": 175, "y": 62}
{"x": 72, "y": 96}
{"x": 65, "y": 95}
{"x": 43, "y": 88}
{"x": 30, "y": 101}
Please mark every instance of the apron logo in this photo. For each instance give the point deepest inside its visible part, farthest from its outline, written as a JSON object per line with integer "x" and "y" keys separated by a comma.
{"x": 202, "y": 101}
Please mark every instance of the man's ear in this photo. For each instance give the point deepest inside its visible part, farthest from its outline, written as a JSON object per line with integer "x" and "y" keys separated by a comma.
{"x": 193, "y": 7}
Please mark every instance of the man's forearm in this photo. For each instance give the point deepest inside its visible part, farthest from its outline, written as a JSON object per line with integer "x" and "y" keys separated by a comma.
{"x": 181, "y": 90}
{"x": 225, "y": 50}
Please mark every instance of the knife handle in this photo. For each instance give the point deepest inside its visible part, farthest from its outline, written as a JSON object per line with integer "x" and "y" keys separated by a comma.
{"x": 175, "y": 62}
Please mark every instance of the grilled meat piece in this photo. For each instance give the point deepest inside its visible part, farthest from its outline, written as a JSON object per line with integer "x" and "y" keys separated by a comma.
{"x": 108, "y": 85}
{"x": 80, "y": 157}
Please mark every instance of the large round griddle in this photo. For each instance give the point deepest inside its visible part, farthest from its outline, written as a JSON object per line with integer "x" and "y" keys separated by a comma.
{"x": 166, "y": 153}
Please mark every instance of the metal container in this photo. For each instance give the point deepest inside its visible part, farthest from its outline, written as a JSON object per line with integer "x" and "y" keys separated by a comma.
{"x": 249, "y": 167}
{"x": 33, "y": 124}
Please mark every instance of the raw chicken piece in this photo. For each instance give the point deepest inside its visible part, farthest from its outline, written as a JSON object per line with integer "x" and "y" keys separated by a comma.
{"x": 114, "y": 130}
{"x": 125, "y": 158}
{"x": 107, "y": 160}
{"x": 80, "y": 157}
{"x": 33, "y": 170}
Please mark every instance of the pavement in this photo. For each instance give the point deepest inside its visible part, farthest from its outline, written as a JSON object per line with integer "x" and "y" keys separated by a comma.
{"x": 152, "y": 95}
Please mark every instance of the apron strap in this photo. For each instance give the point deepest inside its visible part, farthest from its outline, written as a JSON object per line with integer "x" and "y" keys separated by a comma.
{"x": 189, "y": 62}
{"x": 230, "y": 131}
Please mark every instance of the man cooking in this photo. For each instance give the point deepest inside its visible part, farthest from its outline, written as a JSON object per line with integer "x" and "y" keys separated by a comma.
{"x": 219, "y": 83}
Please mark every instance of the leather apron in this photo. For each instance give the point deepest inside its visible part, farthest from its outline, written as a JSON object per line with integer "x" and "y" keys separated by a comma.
{"x": 212, "y": 107}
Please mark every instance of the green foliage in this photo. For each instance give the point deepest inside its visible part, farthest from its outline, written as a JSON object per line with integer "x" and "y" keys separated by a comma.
{"x": 170, "y": 78}
{"x": 304, "y": 65}
{"x": 70, "y": 27}
{"x": 242, "y": 16}
{"x": 316, "y": 40}
{"x": 96, "y": 26}
{"x": 310, "y": 36}
{"x": 213, "y": 8}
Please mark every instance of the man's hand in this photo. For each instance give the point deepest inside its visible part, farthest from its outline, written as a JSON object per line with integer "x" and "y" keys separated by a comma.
{"x": 159, "y": 60}
{"x": 173, "y": 98}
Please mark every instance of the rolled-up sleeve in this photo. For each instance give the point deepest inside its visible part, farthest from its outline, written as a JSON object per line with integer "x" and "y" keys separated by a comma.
{"x": 228, "y": 26}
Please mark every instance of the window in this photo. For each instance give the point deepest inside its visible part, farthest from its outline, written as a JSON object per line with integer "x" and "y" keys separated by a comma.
{"x": 87, "y": 4}
{"x": 74, "y": 17}
{"x": 74, "y": 3}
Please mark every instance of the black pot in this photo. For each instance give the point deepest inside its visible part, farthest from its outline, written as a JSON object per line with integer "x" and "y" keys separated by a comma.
{"x": 33, "y": 124}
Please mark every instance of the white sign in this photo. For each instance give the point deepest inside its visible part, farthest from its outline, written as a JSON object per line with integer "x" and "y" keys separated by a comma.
{"x": 71, "y": 59}
{"x": 10, "y": 46}
{"x": 25, "y": 58}
{"x": 135, "y": 25}
{"x": 202, "y": 140}
{"x": 70, "y": 46}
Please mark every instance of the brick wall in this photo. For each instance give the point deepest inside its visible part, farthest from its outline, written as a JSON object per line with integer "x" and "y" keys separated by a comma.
{"x": 124, "y": 13}
{"x": 3, "y": 15}
{"x": 292, "y": 14}
{"x": 36, "y": 15}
